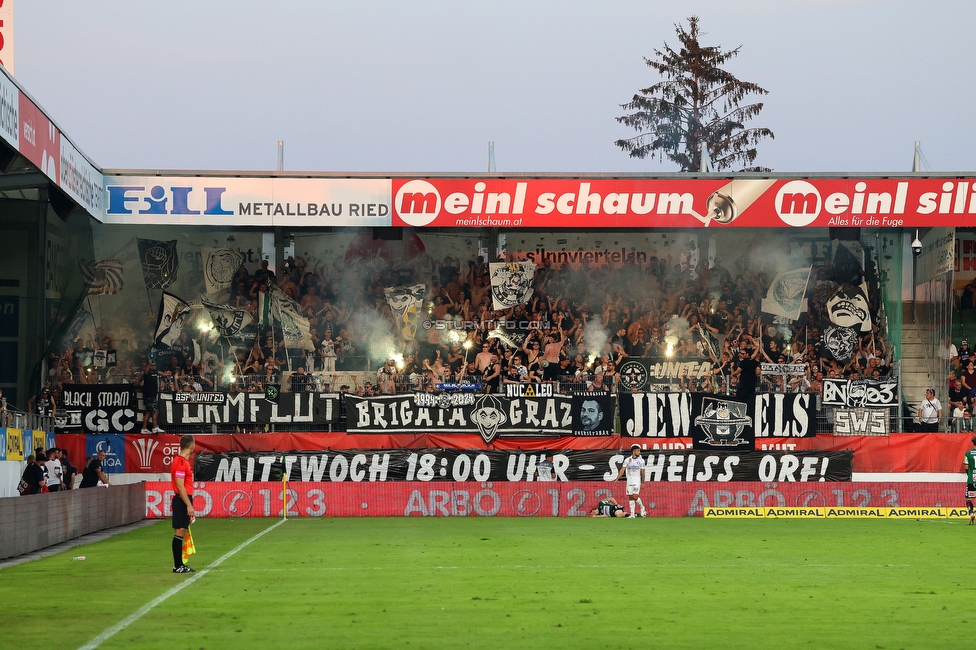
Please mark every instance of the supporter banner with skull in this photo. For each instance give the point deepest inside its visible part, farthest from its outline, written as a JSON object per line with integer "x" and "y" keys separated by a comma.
{"x": 871, "y": 393}
{"x": 511, "y": 283}
{"x": 457, "y": 465}
{"x": 489, "y": 415}
{"x": 219, "y": 267}
{"x": 785, "y": 297}
{"x": 406, "y": 303}
{"x": 715, "y": 421}
{"x": 160, "y": 262}
{"x": 101, "y": 277}
{"x": 250, "y": 409}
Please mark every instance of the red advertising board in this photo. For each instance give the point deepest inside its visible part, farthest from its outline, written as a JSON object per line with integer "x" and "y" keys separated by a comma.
{"x": 405, "y": 499}
{"x": 901, "y": 452}
{"x": 677, "y": 203}
{"x": 40, "y": 140}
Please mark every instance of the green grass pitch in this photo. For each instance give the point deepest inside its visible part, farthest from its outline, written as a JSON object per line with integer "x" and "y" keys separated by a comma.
{"x": 501, "y": 583}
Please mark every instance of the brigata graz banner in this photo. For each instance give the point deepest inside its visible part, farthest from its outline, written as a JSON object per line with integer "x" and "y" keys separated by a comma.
{"x": 716, "y": 421}
{"x": 358, "y": 465}
{"x": 181, "y": 409}
{"x": 870, "y": 393}
{"x": 489, "y": 415}
{"x": 100, "y": 408}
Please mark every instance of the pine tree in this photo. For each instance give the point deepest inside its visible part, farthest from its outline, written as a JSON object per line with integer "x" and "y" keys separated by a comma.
{"x": 696, "y": 102}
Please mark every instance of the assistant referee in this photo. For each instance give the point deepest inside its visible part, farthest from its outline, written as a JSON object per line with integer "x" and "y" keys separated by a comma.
{"x": 183, "y": 514}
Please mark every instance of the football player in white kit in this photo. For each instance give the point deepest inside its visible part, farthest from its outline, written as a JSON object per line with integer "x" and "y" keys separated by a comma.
{"x": 634, "y": 467}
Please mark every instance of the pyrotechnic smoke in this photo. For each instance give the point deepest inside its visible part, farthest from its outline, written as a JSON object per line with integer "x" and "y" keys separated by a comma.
{"x": 377, "y": 335}
{"x": 674, "y": 329}
{"x": 595, "y": 337}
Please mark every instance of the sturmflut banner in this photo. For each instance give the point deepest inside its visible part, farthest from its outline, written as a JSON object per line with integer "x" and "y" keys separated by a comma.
{"x": 185, "y": 409}
{"x": 389, "y": 465}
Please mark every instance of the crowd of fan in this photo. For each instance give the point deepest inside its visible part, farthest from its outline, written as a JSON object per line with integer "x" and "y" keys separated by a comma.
{"x": 578, "y": 327}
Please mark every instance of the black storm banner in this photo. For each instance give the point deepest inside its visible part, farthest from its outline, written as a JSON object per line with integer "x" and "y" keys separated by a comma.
{"x": 249, "y": 408}
{"x": 100, "y": 408}
{"x": 386, "y": 465}
{"x": 490, "y": 415}
{"x": 720, "y": 423}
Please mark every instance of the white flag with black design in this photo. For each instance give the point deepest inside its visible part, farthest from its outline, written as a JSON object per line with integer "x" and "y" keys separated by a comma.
{"x": 219, "y": 267}
{"x": 173, "y": 311}
{"x": 511, "y": 283}
{"x": 230, "y": 322}
{"x": 786, "y": 294}
{"x": 295, "y": 328}
{"x": 406, "y": 303}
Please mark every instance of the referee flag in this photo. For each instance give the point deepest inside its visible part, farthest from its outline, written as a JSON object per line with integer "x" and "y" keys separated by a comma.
{"x": 188, "y": 547}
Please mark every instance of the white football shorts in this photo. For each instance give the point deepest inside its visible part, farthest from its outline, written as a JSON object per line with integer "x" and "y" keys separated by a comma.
{"x": 633, "y": 488}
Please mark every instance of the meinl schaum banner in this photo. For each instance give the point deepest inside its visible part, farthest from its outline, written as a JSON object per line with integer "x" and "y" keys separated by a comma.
{"x": 490, "y": 415}
{"x": 388, "y": 465}
{"x": 861, "y": 393}
{"x": 100, "y": 408}
{"x": 248, "y": 408}
{"x": 724, "y": 421}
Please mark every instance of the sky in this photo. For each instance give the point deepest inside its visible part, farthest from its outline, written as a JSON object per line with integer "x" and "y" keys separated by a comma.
{"x": 424, "y": 86}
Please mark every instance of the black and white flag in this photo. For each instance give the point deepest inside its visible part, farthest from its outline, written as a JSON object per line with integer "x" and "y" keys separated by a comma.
{"x": 231, "y": 322}
{"x": 837, "y": 342}
{"x": 785, "y": 295}
{"x": 848, "y": 307}
{"x": 160, "y": 262}
{"x": 406, "y": 303}
{"x": 511, "y": 283}
{"x": 169, "y": 323}
{"x": 102, "y": 277}
{"x": 219, "y": 267}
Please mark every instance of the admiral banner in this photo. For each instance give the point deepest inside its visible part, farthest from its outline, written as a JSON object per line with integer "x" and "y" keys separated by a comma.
{"x": 489, "y": 415}
{"x": 863, "y": 393}
{"x": 101, "y": 408}
{"x": 390, "y": 465}
{"x": 248, "y": 409}
{"x": 715, "y": 421}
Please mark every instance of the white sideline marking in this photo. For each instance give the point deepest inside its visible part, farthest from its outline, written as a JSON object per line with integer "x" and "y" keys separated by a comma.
{"x": 573, "y": 566}
{"x": 145, "y": 609}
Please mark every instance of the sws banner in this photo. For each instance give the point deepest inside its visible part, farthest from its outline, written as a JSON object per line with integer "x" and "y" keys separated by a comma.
{"x": 249, "y": 408}
{"x": 861, "y": 393}
{"x": 102, "y": 408}
{"x": 489, "y": 415}
{"x": 715, "y": 421}
{"x": 389, "y": 465}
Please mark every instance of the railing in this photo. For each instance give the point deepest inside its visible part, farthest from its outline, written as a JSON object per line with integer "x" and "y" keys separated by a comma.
{"x": 16, "y": 419}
